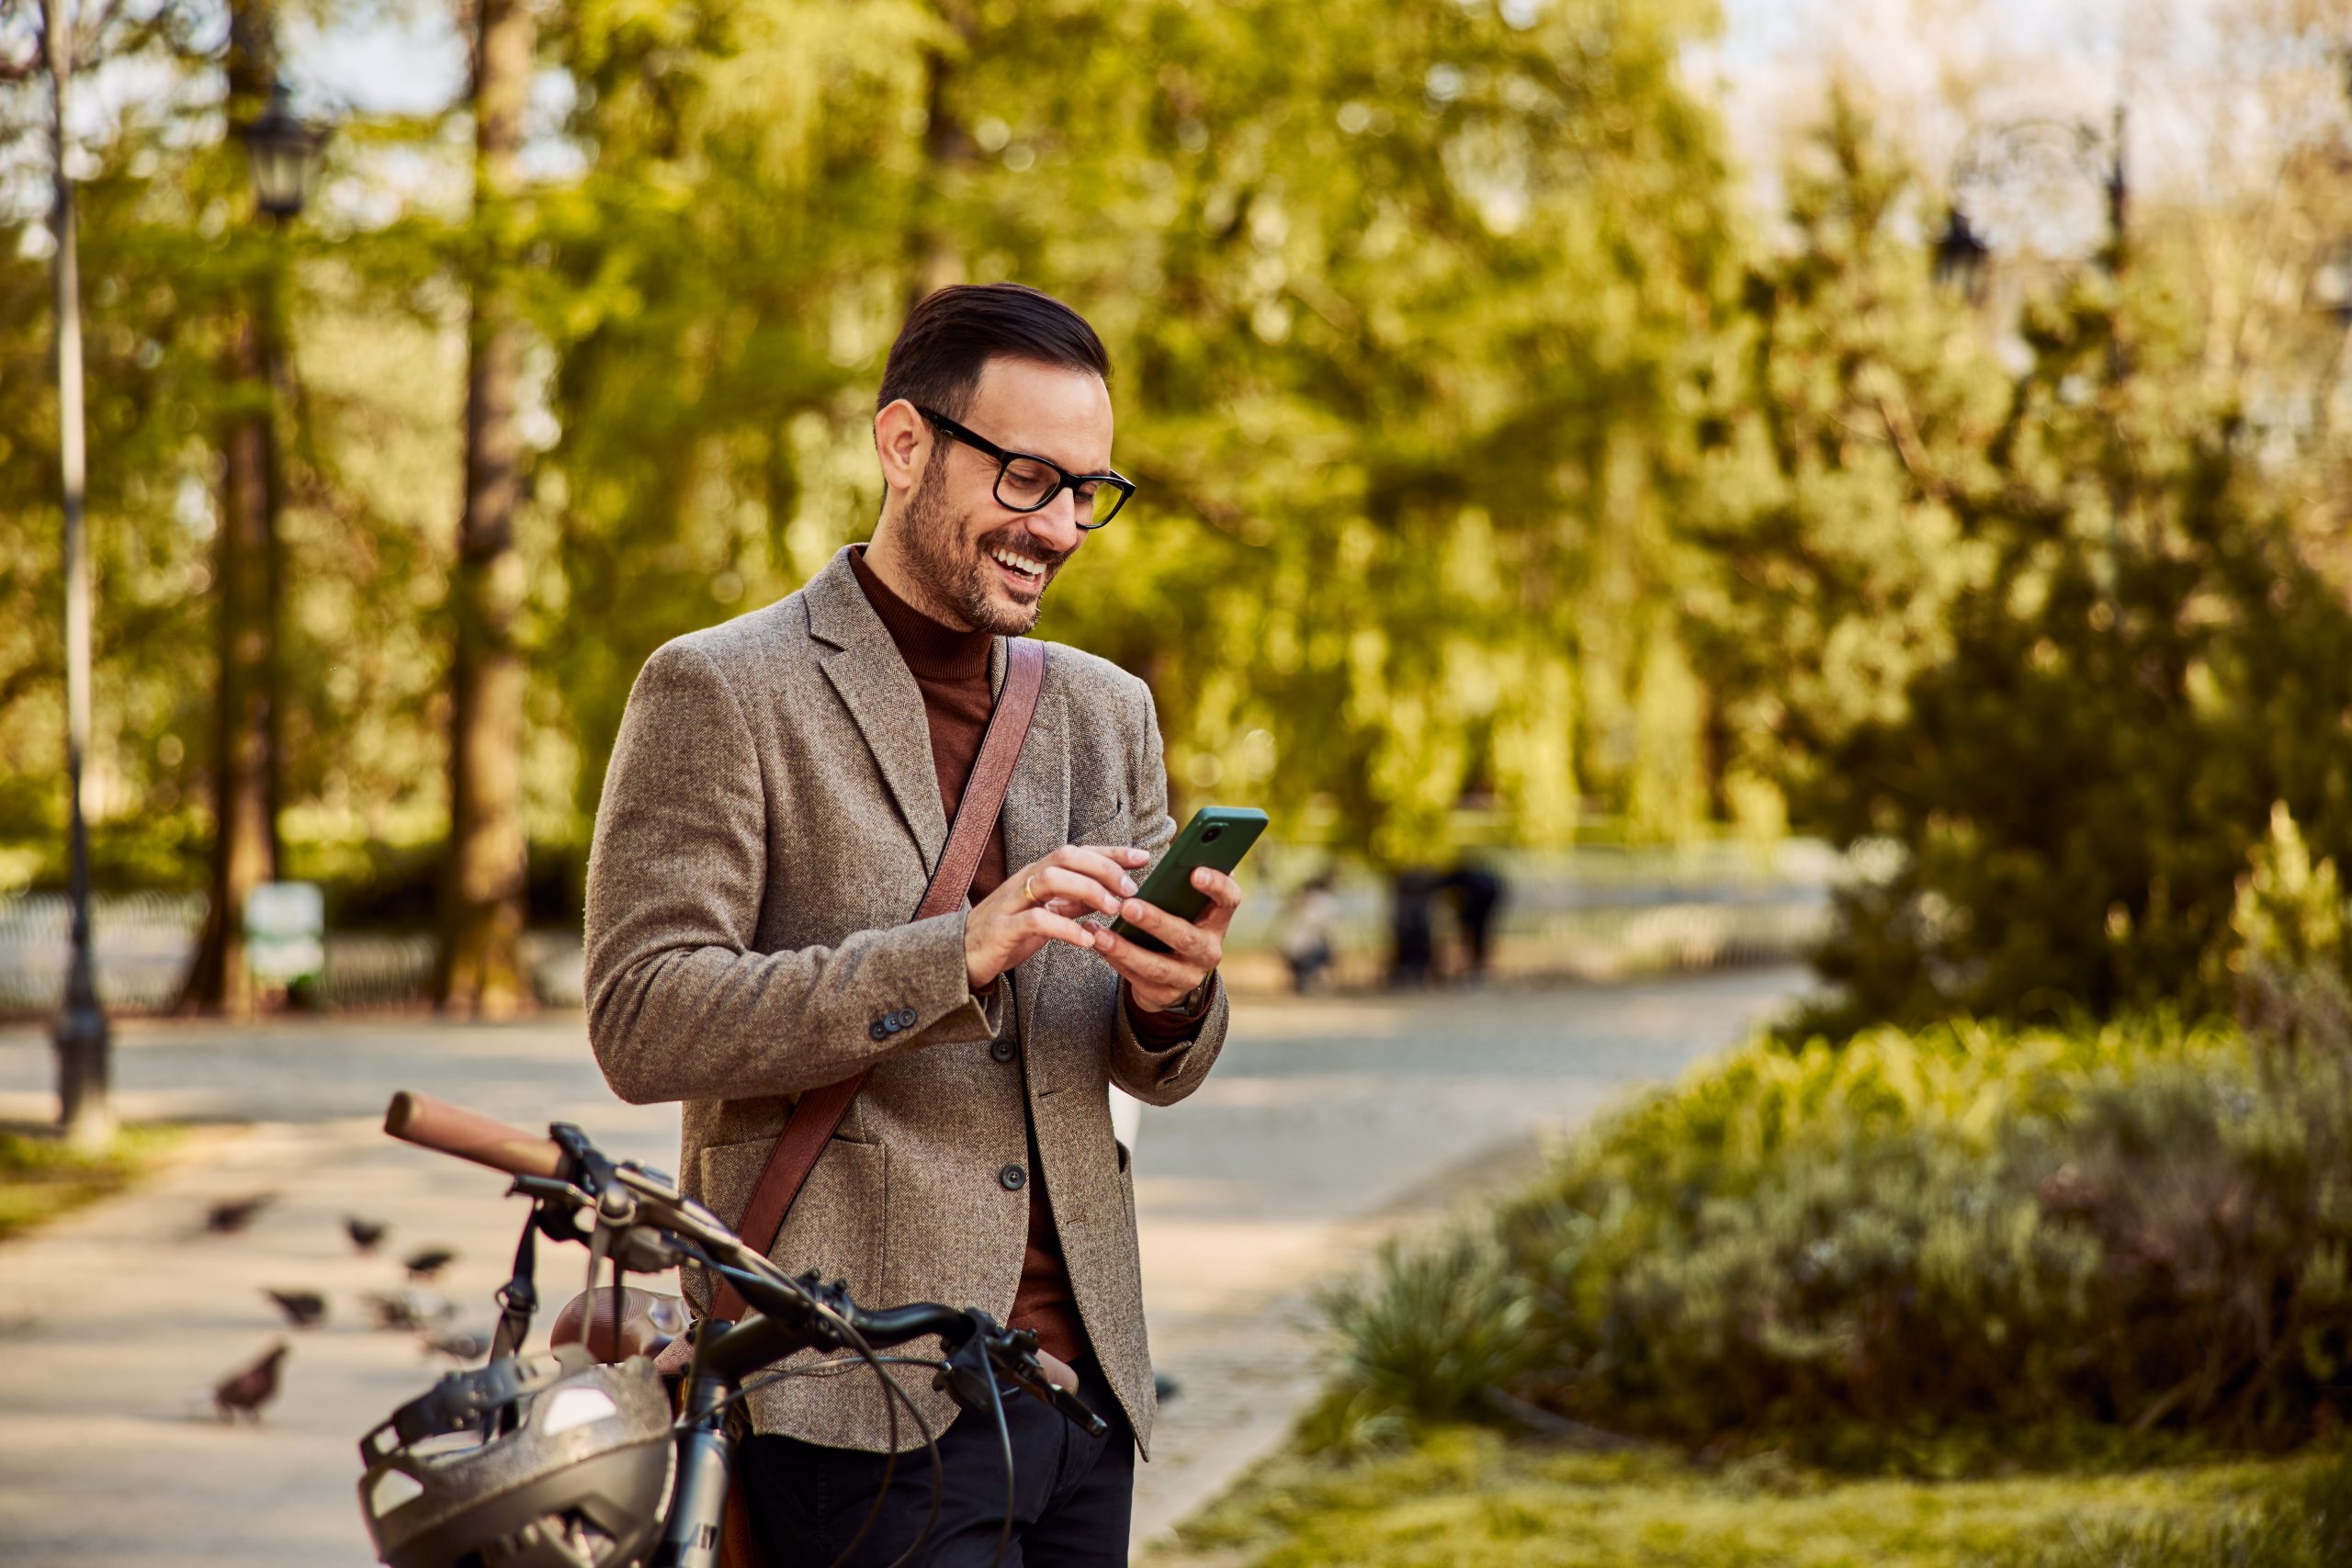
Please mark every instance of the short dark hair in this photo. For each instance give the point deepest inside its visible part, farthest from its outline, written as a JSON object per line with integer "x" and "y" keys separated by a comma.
{"x": 954, "y": 331}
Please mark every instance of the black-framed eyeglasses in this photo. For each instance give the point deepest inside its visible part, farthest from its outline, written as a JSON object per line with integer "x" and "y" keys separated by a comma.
{"x": 1027, "y": 483}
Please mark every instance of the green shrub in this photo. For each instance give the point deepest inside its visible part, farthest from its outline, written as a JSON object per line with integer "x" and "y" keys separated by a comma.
{"x": 1424, "y": 1339}
{"x": 2076, "y": 1239}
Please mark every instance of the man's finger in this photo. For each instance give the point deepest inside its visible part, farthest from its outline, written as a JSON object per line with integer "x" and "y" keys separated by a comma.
{"x": 1225, "y": 897}
{"x": 1180, "y": 934}
{"x": 1090, "y": 862}
{"x": 1141, "y": 966}
{"x": 1058, "y": 1373}
{"x": 1060, "y": 885}
{"x": 1037, "y": 920}
{"x": 1222, "y": 890}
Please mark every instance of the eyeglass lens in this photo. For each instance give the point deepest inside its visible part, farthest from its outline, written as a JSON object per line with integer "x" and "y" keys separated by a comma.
{"x": 1025, "y": 485}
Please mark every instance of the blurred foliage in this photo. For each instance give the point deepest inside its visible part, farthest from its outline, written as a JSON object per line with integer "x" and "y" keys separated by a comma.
{"x": 1464, "y": 1498}
{"x": 1401, "y": 302}
{"x": 2046, "y": 640}
{"x": 1500, "y": 481}
{"x": 1936, "y": 1251}
{"x": 1406, "y": 304}
{"x": 1448, "y": 1323}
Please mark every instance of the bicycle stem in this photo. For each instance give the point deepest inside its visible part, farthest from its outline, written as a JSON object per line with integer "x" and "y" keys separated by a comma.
{"x": 706, "y": 1462}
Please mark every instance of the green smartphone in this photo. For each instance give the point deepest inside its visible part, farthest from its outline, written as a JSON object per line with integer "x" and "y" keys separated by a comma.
{"x": 1217, "y": 836}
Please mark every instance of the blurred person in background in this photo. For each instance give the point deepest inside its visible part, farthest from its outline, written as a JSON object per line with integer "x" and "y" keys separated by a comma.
{"x": 780, "y": 788}
{"x": 1477, "y": 895}
{"x": 1306, "y": 932}
{"x": 1412, "y": 931}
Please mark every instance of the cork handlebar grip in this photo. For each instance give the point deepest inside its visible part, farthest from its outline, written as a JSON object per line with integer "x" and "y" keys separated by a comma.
{"x": 453, "y": 1130}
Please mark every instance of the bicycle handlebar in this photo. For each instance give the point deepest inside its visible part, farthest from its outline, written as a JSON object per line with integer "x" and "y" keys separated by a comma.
{"x": 449, "y": 1129}
{"x": 453, "y": 1130}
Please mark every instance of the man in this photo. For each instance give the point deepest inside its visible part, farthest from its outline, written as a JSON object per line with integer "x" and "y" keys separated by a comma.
{"x": 781, "y": 787}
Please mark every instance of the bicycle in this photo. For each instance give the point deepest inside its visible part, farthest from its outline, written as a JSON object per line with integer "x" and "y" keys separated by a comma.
{"x": 557, "y": 1461}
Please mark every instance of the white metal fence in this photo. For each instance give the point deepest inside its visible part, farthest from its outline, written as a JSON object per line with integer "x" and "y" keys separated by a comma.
{"x": 144, "y": 942}
{"x": 1594, "y": 913}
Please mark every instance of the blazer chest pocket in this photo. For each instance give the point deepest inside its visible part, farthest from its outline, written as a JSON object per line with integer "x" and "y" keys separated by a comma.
{"x": 839, "y": 1226}
{"x": 1107, "y": 823}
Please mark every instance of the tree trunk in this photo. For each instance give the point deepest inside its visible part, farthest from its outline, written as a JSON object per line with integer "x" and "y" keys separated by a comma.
{"x": 247, "y": 584}
{"x": 934, "y": 254}
{"x": 480, "y": 970}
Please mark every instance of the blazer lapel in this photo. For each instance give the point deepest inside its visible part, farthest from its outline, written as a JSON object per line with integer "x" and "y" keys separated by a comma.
{"x": 1036, "y": 803}
{"x": 882, "y": 698}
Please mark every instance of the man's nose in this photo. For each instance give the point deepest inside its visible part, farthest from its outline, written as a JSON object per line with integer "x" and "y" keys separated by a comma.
{"x": 1054, "y": 524}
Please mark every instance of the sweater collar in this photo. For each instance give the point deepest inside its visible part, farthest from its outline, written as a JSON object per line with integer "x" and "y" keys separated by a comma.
{"x": 932, "y": 650}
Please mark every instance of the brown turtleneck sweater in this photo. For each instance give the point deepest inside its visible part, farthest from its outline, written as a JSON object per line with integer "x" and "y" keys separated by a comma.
{"x": 951, "y": 669}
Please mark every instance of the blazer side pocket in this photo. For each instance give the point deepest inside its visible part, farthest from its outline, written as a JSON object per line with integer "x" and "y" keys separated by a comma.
{"x": 840, "y": 1224}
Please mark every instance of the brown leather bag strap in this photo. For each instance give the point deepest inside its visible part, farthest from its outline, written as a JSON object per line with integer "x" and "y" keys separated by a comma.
{"x": 819, "y": 1112}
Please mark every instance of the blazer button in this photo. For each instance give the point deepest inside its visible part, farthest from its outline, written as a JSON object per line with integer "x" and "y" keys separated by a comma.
{"x": 879, "y": 1031}
{"x": 1014, "y": 1178}
{"x": 1002, "y": 1050}
{"x": 906, "y": 1018}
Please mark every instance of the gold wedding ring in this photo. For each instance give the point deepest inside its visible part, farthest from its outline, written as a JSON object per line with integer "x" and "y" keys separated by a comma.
{"x": 1028, "y": 885}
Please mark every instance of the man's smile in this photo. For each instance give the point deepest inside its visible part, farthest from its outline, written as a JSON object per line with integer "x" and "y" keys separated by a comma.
{"x": 1022, "y": 566}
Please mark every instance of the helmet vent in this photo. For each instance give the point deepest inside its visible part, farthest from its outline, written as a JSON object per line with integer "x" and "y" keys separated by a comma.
{"x": 393, "y": 1488}
{"x": 570, "y": 1408}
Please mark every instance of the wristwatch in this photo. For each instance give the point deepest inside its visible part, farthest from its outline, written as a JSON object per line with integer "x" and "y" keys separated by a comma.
{"x": 1194, "y": 1002}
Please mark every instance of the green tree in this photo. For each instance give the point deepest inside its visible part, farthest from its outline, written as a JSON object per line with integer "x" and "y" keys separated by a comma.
{"x": 480, "y": 969}
{"x": 2045, "y": 637}
{"x": 1406, "y": 304}
{"x": 248, "y": 574}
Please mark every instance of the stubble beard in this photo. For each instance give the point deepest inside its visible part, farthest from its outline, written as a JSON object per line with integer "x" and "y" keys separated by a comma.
{"x": 954, "y": 570}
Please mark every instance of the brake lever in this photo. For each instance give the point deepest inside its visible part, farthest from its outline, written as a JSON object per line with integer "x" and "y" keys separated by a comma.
{"x": 1015, "y": 1353}
{"x": 1074, "y": 1410}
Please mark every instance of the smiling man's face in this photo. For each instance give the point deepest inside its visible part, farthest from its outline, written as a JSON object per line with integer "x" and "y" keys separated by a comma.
{"x": 973, "y": 558}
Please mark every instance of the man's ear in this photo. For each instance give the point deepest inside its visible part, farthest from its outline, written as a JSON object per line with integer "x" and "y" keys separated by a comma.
{"x": 902, "y": 440}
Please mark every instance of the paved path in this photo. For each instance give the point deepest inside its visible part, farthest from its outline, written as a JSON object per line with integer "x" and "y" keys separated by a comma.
{"x": 1326, "y": 1124}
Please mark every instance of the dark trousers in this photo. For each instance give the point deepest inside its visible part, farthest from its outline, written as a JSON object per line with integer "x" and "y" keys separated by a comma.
{"x": 1072, "y": 1493}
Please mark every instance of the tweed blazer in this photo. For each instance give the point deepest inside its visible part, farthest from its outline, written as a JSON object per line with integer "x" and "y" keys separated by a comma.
{"x": 769, "y": 819}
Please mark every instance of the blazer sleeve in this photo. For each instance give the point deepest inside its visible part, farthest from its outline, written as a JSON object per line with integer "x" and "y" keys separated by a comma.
{"x": 680, "y": 1005}
{"x": 1159, "y": 1075}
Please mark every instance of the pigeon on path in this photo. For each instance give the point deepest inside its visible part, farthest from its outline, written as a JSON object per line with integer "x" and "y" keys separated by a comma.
{"x": 232, "y": 1214}
{"x": 303, "y": 1309}
{"x": 427, "y": 1263}
{"x": 409, "y": 1310}
{"x": 249, "y": 1390}
{"x": 363, "y": 1232}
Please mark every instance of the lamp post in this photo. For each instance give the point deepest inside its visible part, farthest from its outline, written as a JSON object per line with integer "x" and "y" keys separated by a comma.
{"x": 282, "y": 154}
{"x": 1960, "y": 255}
{"x": 1994, "y": 154}
{"x": 283, "y": 151}
{"x": 84, "y": 1117}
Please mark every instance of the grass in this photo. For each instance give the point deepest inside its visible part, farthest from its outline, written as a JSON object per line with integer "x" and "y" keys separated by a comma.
{"x": 1465, "y": 1498}
{"x": 41, "y": 1178}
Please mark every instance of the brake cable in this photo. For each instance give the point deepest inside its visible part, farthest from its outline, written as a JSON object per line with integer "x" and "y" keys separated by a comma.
{"x": 866, "y": 1353}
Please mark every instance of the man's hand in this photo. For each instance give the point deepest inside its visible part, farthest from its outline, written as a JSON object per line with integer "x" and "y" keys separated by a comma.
{"x": 1042, "y": 902}
{"x": 1161, "y": 981}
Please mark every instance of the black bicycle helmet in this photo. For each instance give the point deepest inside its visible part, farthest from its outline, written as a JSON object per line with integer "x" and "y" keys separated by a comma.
{"x": 531, "y": 1461}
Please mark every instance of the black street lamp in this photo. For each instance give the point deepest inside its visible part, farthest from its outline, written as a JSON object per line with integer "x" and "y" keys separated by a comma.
{"x": 1993, "y": 154}
{"x": 284, "y": 152}
{"x": 1960, "y": 255}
